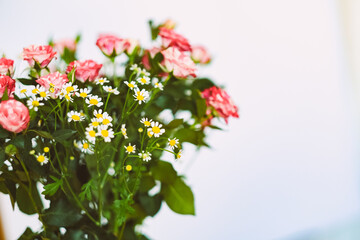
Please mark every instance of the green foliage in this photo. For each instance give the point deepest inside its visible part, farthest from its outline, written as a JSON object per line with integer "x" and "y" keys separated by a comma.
{"x": 61, "y": 214}
{"x": 52, "y": 188}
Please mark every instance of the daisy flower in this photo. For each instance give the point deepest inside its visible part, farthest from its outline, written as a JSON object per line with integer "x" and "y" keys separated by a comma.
{"x": 94, "y": 101}
{"x": 105, "y": 133}
{"x": 173, "y": 143}
{"x": 123, "y": 131}
{"x": 90, "y": 134}
{"x": 95, "y": 122}
{"x": 34, "y": 103}
{"x": 135, "y": 67}
{"x": 83, "y": 93}
{"x": 98, "y": 113}
{"x": 145, "y": 156}
{"x": 141, "y": 96}
{"x": 179, "y": 154}
{"x": 43, "y": 94}
{"x": 75, "y": 116}
{"x": 146, "y": 122}
{"x": 109, "y": 89}
{"x": 131, "y": 84}
{"x": 42, "y": 159}
{"x": 69, "y": 88}
{"x": 85, "y": 147}
{"x": 150, "y": 134}
{"x": 101, "y": 81}
{"x": 23, "y": 93}
{"x": 143, "y": 80}
{"x": 156, "y": 129}
{"x": 130, "y": 149}
{"x": 144, "y": 72}
{"x": 106, "y": 119}
{"x": 158, "y": 84}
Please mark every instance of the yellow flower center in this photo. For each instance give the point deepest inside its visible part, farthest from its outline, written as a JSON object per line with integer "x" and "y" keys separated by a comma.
{"x": 43, "y": 94}
{"x": 46, "y": 149}
{"x": 101, "y": 80}
{"x": 129, "y": 149}
{"x": 143, "y": 80}
{"x": 95, "y": 124}
{"x": 70, "y": 89}
{"x": 40, "y": 158}
{"x": 92, "y": 133}
{"x": 172, "y": 142}
{"x": 178, "y": 155}
{"x": 99, "y": 115}
{"x": 106, "y": 121}
{"x": 85, "y": 145}
{"x": 149, "y": 134}
{"x": 23, "y": 91}
{"x": 52, "y": 90}
{"x": 67, "y": 97}
{"x": 140, "y": 97}
{"x": 105, "y": 133}
{"x": 147, "y": 123}
{"x": 156, "y": 129}
{"x": 75, "y": 117}
{"x": 35, "y": 91}
{"x": 131, "y": 85}
{"x": 83, "y": 94}
{"x": 52, "y": 85}
{"x": 93, "y": 101}
{"x": 35, "y": 103}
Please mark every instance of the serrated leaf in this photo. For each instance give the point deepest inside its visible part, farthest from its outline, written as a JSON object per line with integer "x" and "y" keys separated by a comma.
{"x": 52, "y": 188}
{"x": 179, "y": 197}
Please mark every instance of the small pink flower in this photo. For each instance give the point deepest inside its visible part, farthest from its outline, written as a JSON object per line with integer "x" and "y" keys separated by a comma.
{"x": 172, "y": 39}
{"x": 132, "y": 44}
{"x": 8, "y": 83}
{"x": 14, "y": 116}
{"x": 6, "y": 66}
{"x": 200, "y": 55}
{"x": 56, "y": 79}
{"x": 70, "y": 44}
{"x": 145, "y": 60}
{"x": 87, "y": 70}
{"x": 111, "y": 45}
{"x": 39, "y": 54}
{"x": 178, "y": 62}
{"x": 221, "y": 102}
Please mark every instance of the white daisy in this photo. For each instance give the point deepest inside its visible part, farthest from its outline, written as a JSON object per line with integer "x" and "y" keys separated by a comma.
{"x": 34, "y": 103}
{"x": 156, "y": 129}
{"x": 135, "y": 67}
{"x": 67, "y": 96}
{"x": 158, "y": 84}
{"x": 85, "y": 147}
{"x": 98, "y": 113}
{"x": 105, "y": 133}
{"x": 173, "y": 143}
{"x": 123, "y": 131}
{"x": 146, "y": 122}
{"x": 42, "y": 159}
{"x": 143, "y": 80}
{"x": 70, "y": 88}
{"x": 90, "y": 134}
{"x": 106, "y": 119}
{"x": 43, "y": 94}
{"x": 130, "y": 149}
{"x": 101, "y": 81}
{"x": 145, "y": 156}
{"x": 83, "y": 93}
{"x": 141, "y": 96}
{"x": 144, "y": 72}
{"x": 35, "y": 90}
{"x": 95, "y": 122}
{"x": 109, "y": 89}
{"x": 94, "y": 101}
{"x": 75, "y": 116}
{"x": 131, "y": 84}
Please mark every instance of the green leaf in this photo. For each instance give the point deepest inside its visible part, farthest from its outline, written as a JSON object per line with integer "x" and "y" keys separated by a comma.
{"x": 19, "y": 141}
{"x": 5, "y": 95}
{"x": 164, "y": 172}
{"x": 122, "y": 209}
{"x": 28, "y": 234}
{"x": 179, "y": 197}
{"x": 43, "y": 134}
{"x": 61, "y": 214}
{"x": 3, "y": 133}
{"x": 202, "y": 84}
{"x": 201, "y": 107}
{"x": 175, "y": 123}
{"x": 26, "y": 81}
{"x": 51, "y": 188}
{"x": 146, "y": 183}
{"x": 63, "y": 134}
{"x": 11, "y": 190}
{"x": 151, "y": 204}
{"x": 24, "y": 201}
{"x": 86, "y": 191}
{"x": 2, "y": 157}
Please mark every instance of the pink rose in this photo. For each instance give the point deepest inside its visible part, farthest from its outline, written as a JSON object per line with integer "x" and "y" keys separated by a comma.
{"x": 86, "y": 70}
{"x": 132, "y": 44}
{"x": 145, "y": 60}
{"x": 6, "y": 66}
{"x": 8, "y": 83}
{"x": 42, "y": 55}
{"x": 200, "y": 55}
{"x": 70, "y": 44}
{"x": 111, "y": 45}
{"x": 178, "y": 62}
{"x": 56, "y": 79}
{"x": 14, "y": 115}
{"x": 219, "y": 100}
{"x": 172, "y": 39}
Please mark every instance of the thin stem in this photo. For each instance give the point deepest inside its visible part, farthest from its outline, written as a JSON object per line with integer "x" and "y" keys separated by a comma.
{"x": 107, "y": 100}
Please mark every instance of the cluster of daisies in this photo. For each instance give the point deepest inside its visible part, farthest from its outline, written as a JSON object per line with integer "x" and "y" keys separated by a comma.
{"x": 142, "y": 79}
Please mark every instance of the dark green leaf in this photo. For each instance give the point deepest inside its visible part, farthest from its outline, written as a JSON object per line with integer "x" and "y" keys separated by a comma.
{"x": 175, "y": 123}
{"x": 24, "y": 202}
{"x": 28, "y": 234}
{"x": 61, "y": 214}
{"x": 2, "y": 157}
{"x": 201, "y": 107}
{"x": 63, "y": 134}
{"x": 179, "y": 197}
{"x": 164, "y": 172}
{"x": 43, "y": 134}
{"x": 3, "y": 133}
{"x": 26, "y": 81}
{"x": 146, "y": 183}
{"x": 151, "y": 204}
{"x": 5, "y": 95}
{"x": 51, "y": 188}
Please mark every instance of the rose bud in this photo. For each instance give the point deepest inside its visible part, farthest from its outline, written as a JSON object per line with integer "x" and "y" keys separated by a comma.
{"x": 6, "y": 66}
{"x": 42, "y": 55}
{"x": 8, "y": 83}
{"x": 60, "y": 46}
{"x": 87, "y": 70}
{"x": 169, "y": 24}
{"x": 200, "y": 55}
{"x": 132, "y": 44}
{"x": 178, "y": 62}
{"x": 111, "y": 46}
{"x": 14, "y": 115}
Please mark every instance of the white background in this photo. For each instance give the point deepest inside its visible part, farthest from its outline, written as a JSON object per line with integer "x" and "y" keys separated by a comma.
{"x": 290, "y": 164}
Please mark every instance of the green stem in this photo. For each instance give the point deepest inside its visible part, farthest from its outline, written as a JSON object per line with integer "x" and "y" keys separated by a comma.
{"x": 107, "y": 100}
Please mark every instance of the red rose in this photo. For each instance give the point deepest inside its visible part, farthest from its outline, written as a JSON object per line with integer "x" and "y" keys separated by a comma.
{"x": 172, "y": 39}
{"x": 200, "y": 55}
{"x": 8, "y": 83}
{"x": 56, "y": 79}
{"x": 14, "y": 115}
{"x": 6, "y": 66}
{"x": 111, "y": 45}
{"x": 87, "y": 70}
{"x": 221, "y": 102}
{"x": 42, "y": 55}
{"x": 178, "y": 62}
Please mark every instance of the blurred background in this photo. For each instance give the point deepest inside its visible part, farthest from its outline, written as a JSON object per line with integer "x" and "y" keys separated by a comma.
{"x": 289, "y": 169}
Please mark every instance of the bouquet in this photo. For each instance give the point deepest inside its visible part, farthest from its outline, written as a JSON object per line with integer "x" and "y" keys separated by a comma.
{"x": 93, "y": 140}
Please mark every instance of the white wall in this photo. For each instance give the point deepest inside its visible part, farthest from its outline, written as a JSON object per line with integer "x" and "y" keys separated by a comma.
{"x": 290, "y": 163}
